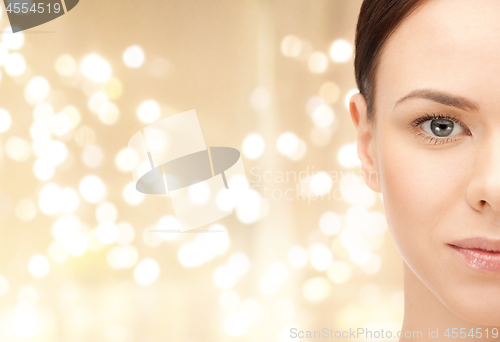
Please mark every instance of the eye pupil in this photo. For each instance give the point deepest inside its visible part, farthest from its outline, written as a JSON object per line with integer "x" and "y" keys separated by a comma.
{"x": 441, "y": 127}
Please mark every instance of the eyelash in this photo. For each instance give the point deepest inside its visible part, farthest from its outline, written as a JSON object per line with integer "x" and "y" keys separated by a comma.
{"x": 434, "y": 116}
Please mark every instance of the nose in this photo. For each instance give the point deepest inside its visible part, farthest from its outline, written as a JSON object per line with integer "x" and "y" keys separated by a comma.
{"x": 483, "y": 191}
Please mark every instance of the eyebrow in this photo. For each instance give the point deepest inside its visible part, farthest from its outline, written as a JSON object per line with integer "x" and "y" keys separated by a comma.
{"x": 444, "y": 98}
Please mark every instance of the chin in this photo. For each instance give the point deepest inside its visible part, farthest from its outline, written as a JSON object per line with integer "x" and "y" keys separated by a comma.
{"x": 477, "y": 304}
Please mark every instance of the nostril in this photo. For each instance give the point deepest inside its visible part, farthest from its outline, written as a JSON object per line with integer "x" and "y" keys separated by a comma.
{"x": 483, "y": 202}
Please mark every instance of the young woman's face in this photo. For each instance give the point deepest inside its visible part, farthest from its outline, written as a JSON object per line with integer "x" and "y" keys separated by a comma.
{"x": 440, "y": 178}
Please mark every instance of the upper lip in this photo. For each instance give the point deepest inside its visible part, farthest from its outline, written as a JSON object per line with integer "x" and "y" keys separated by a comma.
{"x": 478, "y": 242}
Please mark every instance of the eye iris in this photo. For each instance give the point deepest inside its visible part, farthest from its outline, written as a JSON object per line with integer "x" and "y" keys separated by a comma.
{"x": 441, "y": 127}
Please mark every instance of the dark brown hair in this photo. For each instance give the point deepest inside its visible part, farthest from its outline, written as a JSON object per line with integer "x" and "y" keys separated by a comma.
{"x": 377, "y": 20}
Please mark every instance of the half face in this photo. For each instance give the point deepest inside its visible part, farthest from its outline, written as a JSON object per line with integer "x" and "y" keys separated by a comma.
{"x": 437, "y": 149}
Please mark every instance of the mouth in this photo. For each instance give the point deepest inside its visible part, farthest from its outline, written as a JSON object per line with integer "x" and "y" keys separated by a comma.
{"x": 480, "y": 253}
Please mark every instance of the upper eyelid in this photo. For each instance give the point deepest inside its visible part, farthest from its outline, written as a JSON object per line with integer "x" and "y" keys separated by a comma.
{"x": 434, "y": 116}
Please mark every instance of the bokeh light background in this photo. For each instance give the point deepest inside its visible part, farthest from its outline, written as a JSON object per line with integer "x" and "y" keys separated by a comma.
{"x": 79, "y": 260}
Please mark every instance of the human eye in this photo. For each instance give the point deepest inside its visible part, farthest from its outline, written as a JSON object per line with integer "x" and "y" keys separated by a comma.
{"x": 439, "y": 128}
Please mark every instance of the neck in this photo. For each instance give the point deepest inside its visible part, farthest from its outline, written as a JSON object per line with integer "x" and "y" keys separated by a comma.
{"x": 425, "y": 313}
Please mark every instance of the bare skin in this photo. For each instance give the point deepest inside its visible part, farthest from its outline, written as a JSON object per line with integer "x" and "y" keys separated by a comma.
{"x": 436, "y": 188}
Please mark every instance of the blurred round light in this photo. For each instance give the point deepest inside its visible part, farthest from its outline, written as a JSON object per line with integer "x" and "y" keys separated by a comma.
{"x": 108, "y": 113}
{"x": 28, "y": 294}
{"x": 15, "y": 65}
{"x": 320, "y": 257}
{"x": 224, "y": 278}
{"x": 149, "y": 111}
{"x": 229, "y": 300}
{"x": 199, "y": 193}
{"x": 248, "y": 209}
{"x": 126, "y": 233}
{"x": 321, "y": 183}
{"x": 339, "y": 272}
{"x": 65, "y": 65}
{"x": 106, "y": 211}
{"x": 131, "y": 195}
{"x": 277, "y": 273}
{"x": 285, "y": 309}
{"x": 113, "y": 88}
{"x": 329, "y": 223}
{"x": 55, "y": 152}
{"x": 43, "y": 111}
{"x": 251, "y": 308}
{"x": 38, "y": 89}
{"x": 58, "y": 252}
{"x": 97, "y": 100}
{"x": 48, "y": 199}
{"x": 316, "y": 289}
{"x": 40, "y": 131}
{"x": 5, "y": 120}
{"x": 215, "y": 243}
{"x": 236, "y": 325}
{"x": 317, "y": 62}
{"x": 253, "y": 146}
{"x": 92, "y": 156}
{"x": 287, "y": 143}
{"x": 92, "y": 189}
{"x": 323, "y": 116}
{"x": 340, "y": 51}
{"x": 39, "y": 265}
{"x": 68, "y": 200}
{"x": 84, "y": 136}
{"x": 268, "y": 287}
{"x": 17, "y": 149}
{"x": 133, "y": 57}
{"x": 107, "y": 232}
{"x": 169, "y": 226}
{"x": 43, "y": 169}
{"x": 373, "y": 265}
{"x": 260, "y": 98}
{"x": 297, "y": 257}
{"x": 321, "y": 136}
{"x": 26, "y": 210}
{"x": 238, "y": 263}
{"x": 122, "y": 257}
{"x": 146, "y": 272}
{"x": 348, "y": 156}
{"x": 12, "y": 41}
{"x": 313, "y": 103}
{"x": 300, "y": 152}
{"x": 291, "y": 46}
{"x": 191, "y": 255}
{"x": 96, "y": 68}
{"x": 60, "y": 124}
{"x": 126, "y": 159}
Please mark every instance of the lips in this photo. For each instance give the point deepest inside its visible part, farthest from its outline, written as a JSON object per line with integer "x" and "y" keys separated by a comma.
{"x": 479, "y": 253}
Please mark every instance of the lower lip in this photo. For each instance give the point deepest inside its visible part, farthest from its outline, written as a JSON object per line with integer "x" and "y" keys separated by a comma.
{"x": 479, "y": 259}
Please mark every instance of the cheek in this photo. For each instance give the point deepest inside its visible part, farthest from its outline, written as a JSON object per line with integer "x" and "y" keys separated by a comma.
{"x": 422, "y": 188}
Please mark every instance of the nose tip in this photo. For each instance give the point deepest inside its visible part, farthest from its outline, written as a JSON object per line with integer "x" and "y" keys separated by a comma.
{"x": 483, "y": 191}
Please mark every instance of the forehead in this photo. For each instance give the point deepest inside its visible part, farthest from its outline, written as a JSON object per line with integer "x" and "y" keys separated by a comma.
{"x": 450, "y": 45}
